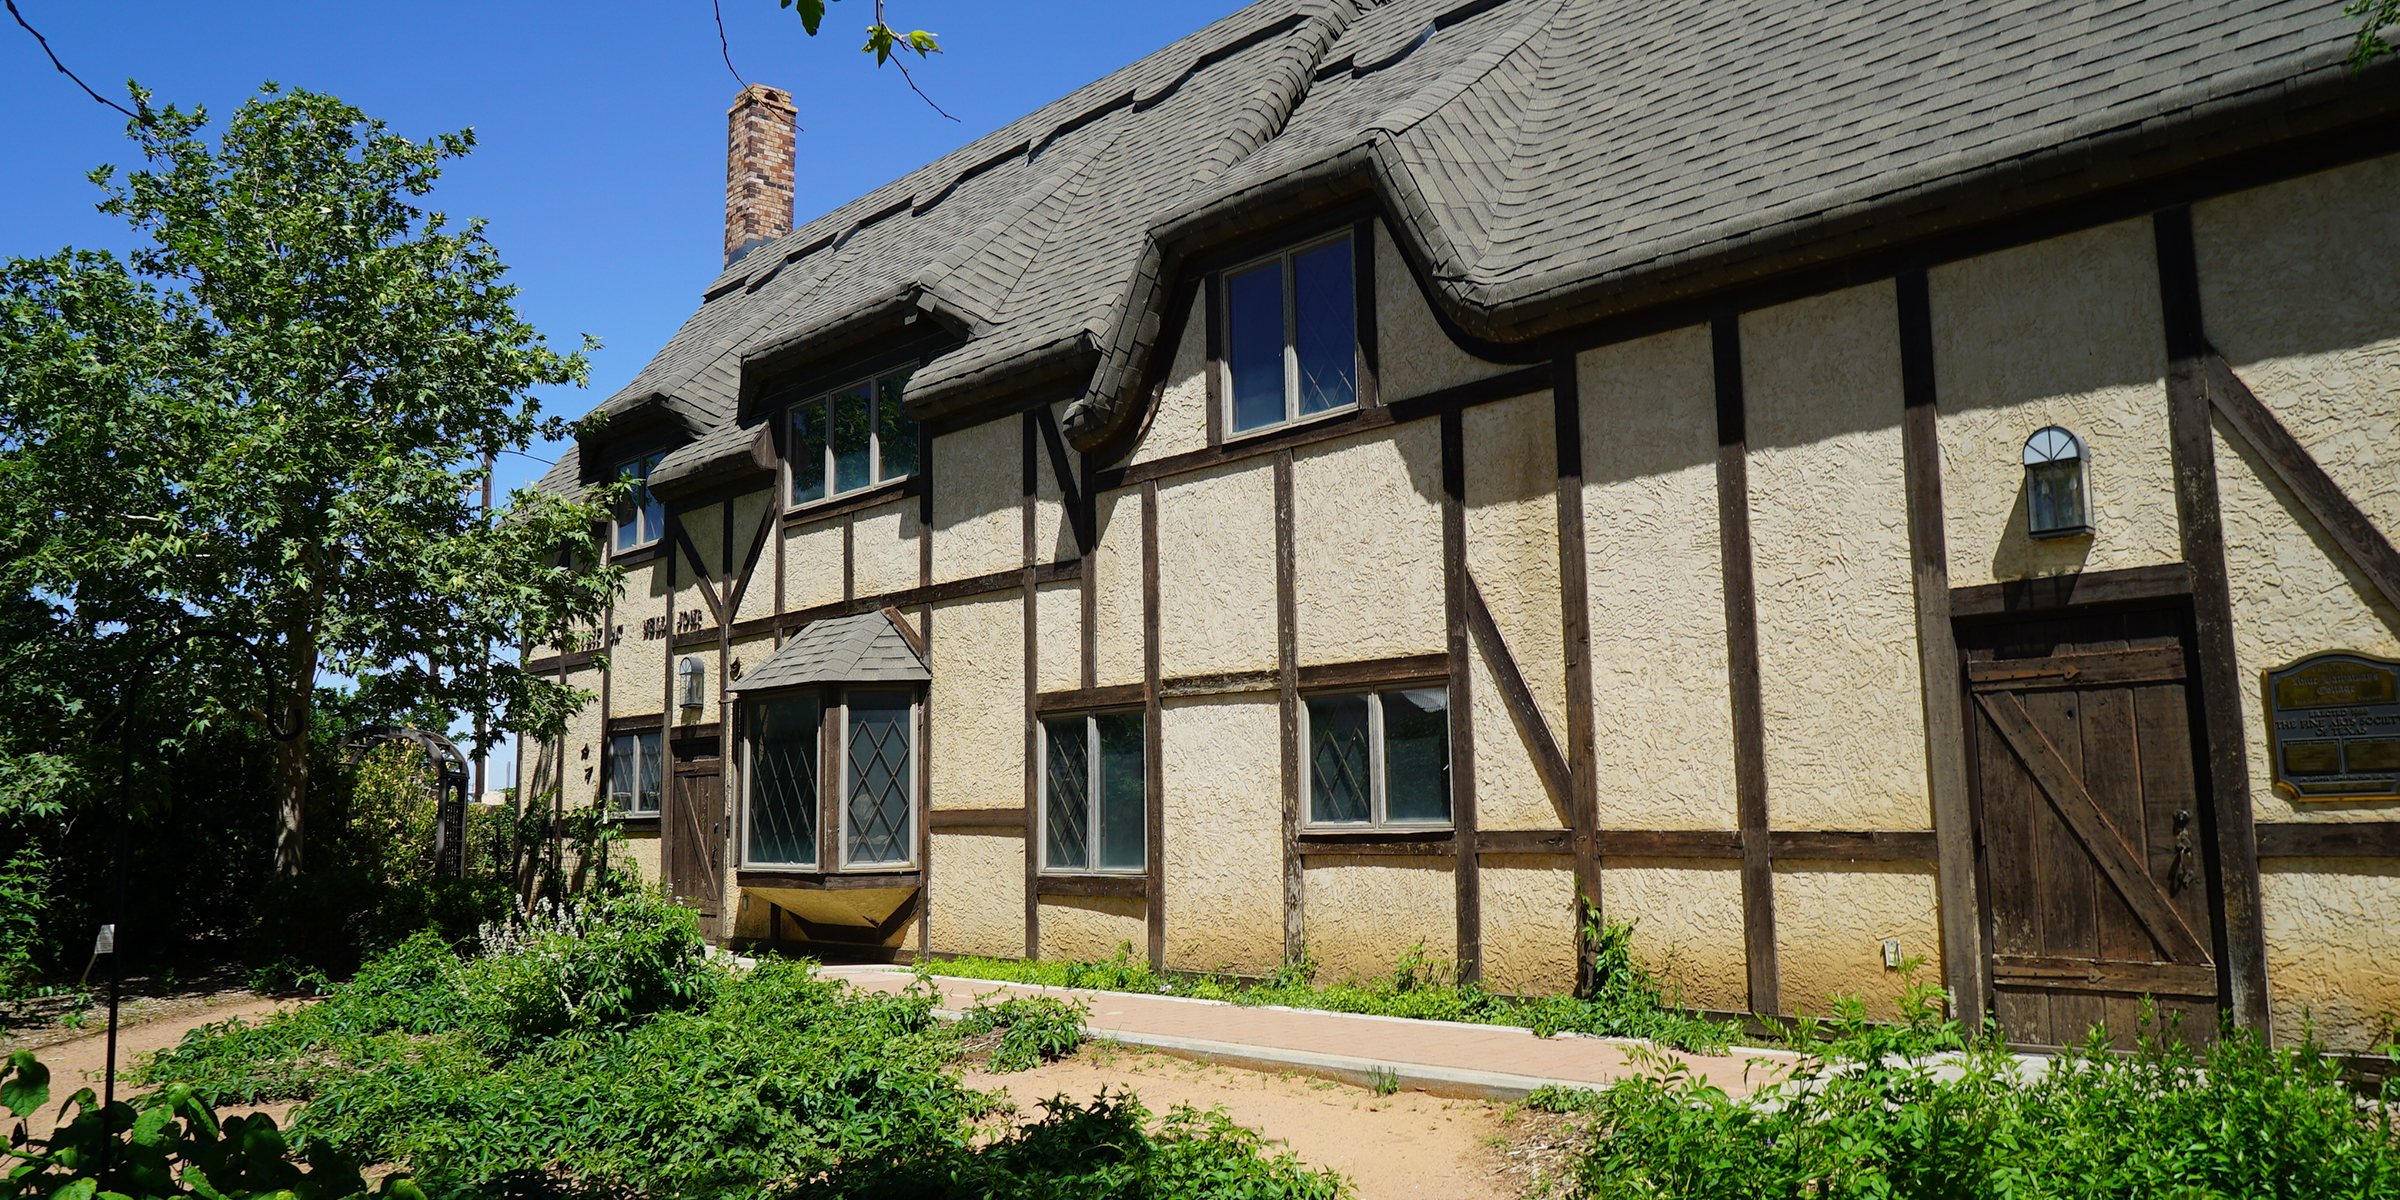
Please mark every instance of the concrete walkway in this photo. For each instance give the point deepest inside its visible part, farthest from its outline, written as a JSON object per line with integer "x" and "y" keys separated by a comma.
{"x": 1443, "y": 1058}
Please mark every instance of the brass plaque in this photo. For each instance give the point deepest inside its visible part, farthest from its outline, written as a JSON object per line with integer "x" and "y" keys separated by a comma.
{"x": 2333, "y": 721}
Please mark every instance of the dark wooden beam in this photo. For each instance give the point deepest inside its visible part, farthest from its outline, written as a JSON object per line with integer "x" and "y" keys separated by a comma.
{"x": 1575, "y": 627}
{"x": 1529, "y": 841}
{"x": 1858, "y": 845}
{"x": 1939, "y": 691}
{"x": 825, "y": 881}
{"x": 1074, "y": 512}
{"x": 1287, "y": 695}
{"x": 977, "y": 818}
{"x": 2343, "y": 521}
{"x": 1154, "y": 776}
{"x": 2329, "y": 839}
{"x": 851, "y": 503}
{"x": 1370, "y": 351}
{"x": 1028, "y": 483}
{"x": 1548, "y": 762}
{"x": 2226, "y": 752}
{"x": 1457, "y": 587}
{"x": 1741, "y": 657}
{"x": 1136, "y": 886}
{"x": 2129, "y": 585}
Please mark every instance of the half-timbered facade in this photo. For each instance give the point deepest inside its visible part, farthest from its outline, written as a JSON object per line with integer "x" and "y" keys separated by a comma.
{"x": 1827, "y": 484}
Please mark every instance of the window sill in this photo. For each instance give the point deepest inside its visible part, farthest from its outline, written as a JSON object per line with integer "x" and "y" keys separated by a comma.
{"x": 639, "y": 554}
{"x": 1331, "y": 416}
{"x": 848, "y": 502}
{"x": 1425, "y": 842}
{"x": 1136, "y": 886}
{"x": 803, "y": 879}
{"x": 644, "y": 822}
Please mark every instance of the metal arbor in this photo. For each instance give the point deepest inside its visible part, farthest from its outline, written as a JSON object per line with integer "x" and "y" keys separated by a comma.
{"x": 449, "y": 787}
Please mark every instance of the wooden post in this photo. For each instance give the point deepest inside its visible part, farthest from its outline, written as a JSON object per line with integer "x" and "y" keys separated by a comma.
{"x": 1153, "y": 730}
{"x": 1462, "y": 697}
{"x": 1028, "y": 434}
{"x": 1575, "y": 623}
{"x": 1741, "y": 658}
{"x": 1287, "y": 689}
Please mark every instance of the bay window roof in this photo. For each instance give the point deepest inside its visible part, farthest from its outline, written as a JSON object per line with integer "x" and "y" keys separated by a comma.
{"x": 874, "y": 647}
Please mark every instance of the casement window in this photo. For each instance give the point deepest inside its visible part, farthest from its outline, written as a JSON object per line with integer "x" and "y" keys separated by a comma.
{"x": 1093, "y": 793}
{"x": 873, "y": 788}
{"x": 634, "y": 772}
{"x": 1291, "y": 335}
{"x": 851, "y": 438}
{"x": 641, "y": 519}
{"x": 1379, "y": 760}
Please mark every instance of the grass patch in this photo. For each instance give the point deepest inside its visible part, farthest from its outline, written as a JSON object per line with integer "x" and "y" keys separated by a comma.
{"x": 595, "y": 1052}
{"x": 1626, "y": 1001}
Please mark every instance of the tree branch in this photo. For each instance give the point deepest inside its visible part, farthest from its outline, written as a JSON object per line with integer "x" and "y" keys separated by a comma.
{"x": 723, "y": 47}
{"x": 87, "y": 88}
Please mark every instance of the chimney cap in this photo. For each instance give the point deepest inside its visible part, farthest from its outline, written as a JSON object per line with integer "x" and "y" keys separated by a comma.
{"x": 759, "y": 93}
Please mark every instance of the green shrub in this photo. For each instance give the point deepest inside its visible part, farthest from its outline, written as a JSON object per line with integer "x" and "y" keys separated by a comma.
{"x": 1034, "y": 1029}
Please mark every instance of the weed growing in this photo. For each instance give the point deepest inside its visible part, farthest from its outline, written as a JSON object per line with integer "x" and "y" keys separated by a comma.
{"x": 1033, "y": 1029}
{"x": 1624, "y": 1001}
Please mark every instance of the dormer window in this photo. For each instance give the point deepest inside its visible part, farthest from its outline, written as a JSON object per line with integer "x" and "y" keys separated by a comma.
{"x": 1291, "y": 335}
{"x": 851, "y": 438}
{"x": 641, "y": 518}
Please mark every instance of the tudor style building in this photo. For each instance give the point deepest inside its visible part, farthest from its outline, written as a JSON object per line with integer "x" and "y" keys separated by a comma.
{"x": 1828, "y": 484}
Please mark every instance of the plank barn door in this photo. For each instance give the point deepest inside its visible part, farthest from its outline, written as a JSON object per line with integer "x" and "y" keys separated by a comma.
{"x": 2090, "y": 824}
{"x": 695, "y": 838}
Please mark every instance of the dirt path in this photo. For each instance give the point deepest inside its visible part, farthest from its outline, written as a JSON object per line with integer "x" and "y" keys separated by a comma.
{"x": 1404, "y": 1145}
{"x": 80, "y": 1062}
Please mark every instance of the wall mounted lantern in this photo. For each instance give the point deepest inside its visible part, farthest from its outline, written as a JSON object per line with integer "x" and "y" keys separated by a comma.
{"x": 695, "y": 681}
{"x": 2056, "y": 471}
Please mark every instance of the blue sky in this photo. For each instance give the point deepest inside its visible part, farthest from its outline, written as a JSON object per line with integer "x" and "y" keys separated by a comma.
{"x": 601, "y": 125}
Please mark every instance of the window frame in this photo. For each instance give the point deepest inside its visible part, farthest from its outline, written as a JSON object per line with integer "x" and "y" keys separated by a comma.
{"x": 908, "y": 772}
{"x": 823, "y": 400}
{"x": 1223, "y": 366}
{"x": 1377, "y": 775}
{"x": 816, "y": 785}
{"x": 1091, "y": 760}
{"x": 639, "y": 467}
{"x": 831, "y": 792}
{"x": 608, "y": 772}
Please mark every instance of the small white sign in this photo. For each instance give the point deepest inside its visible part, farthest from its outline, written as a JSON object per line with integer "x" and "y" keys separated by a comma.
{"x": 106, "y": 943}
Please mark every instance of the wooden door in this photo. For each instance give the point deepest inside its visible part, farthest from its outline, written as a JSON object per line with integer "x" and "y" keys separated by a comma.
{"x": 2091, "y": 824}
{"x": 695, "y": 839}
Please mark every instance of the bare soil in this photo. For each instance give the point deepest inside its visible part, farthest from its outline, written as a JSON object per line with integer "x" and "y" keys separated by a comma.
{"x": 77, "y": 1053}
{"x": 1403, "y": 1145}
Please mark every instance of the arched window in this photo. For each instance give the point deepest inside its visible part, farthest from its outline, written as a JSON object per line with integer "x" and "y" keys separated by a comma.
{"x": 2057, "y": 504}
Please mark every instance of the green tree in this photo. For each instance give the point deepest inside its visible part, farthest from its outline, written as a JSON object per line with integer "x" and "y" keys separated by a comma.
{"x": 270, "y": 419}
{"x": 2375, "y": 16}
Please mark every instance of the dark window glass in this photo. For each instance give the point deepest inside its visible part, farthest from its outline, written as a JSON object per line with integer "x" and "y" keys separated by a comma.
{"x": 642, "y": 517}
{"x": 1416, "y": 755}
{"x": 851, "y": 414}
{"x": 808, "y": 452}
{"x": 1324, "y": 327}
{"x": 1121, "y": 790}
{"x": 624, "y": 772}
{"x": 895, "y": 433}
{"x": 1338, "y": 784}
{"x": 878, "y": 778}
{"x": 1067, "y": 820}
{"x": 1254, "y": 345}
{"x": 783, "y": 782}
{"x": 646, "y": 799}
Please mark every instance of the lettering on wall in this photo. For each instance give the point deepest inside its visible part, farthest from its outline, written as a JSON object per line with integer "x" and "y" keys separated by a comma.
{"x": 654, "y": 628}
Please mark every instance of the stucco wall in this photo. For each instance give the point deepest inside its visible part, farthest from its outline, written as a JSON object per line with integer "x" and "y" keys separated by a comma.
{"x": 2061, "y": 332}
{"x": 978, "y": 704}
{"x": 1837, "y": 645}
{"x": 884, "y": 546}
{"x": 1053, "y": 536}
{"x": 637, "y": 664}
{"x": 1831, "y": 920}
{"x": 1367, "y": 545}
{"x": 758, "y": 597}
{"x": 1687, "y": 926}
{"x": 1528, "y": 924}
{"x": 1362, "y": 912}
{"x": 1417, "y": 357}
{"x": 640, "y": 853}
{"x": 586, "y": 746}
{"x": 977, "y": 525}
{"x": 1116, "y": 568}
{"x": 812, "y": 565}
{"x": 1660, "y": 705}
{"x": 976, "y": 893}
{"x": 2333, "y": 949}
{"x": 1058, "y": 657}
{"x": 1512, "y": 552}
{"x": 751, "y": 652}
{"x": 1216, "y": 570}
{"x": 1223, "y": 802}
{"x": 1087, "y": 928}
{"x": 1179, "y": 422}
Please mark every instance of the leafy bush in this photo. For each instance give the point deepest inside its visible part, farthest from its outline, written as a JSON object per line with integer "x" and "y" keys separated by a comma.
{"x": 1625, "y": 1001}
{"x": 1920, "y": 1111}
{"x": 1033, "y": 1029}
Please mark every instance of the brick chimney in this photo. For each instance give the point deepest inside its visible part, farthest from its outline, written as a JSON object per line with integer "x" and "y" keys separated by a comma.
{"x": 759, "y": 133}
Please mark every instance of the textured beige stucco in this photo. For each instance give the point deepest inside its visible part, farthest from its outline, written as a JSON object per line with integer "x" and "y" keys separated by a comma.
{"x": 1417, "y": 357}
{"x": 758, "y": 596}
{"x": 1367, "y": 545}
{"x": 1831, "y": 920}
{"x": 812, "y": 565}
{"x": 1512, "y": 537}
{"x": 2061, "y": 332}
{"x": 976, "y": 893}
{"x": 1528, "y": 924}
{"x": 1223, "y": 820}
{"x": 750, "y": 652}
{"x": 1508, "y": 791}
{"x": 1837, "y": 631}
{"x": 586, "y": 746}
{"x": 1216, "y": 570}
{"x": 2300, "y": 290}
{"x": 1058, "y": 657}
{"x": 1364, "y": 911}
{"x": 1116, "y": 568}
{"x": 1089, "y": 928}
{"x": 1053, "y": 537}
{"x": 884, "y": 543}
{"x": 977, "y": 704}
{"x": 1659, "y": 701}
{"x": 978, "y": 526}
{"x": 1179, "y": 422}
{"x": 636, "y": 664}
{"x": 1687, "y": 926}
{"x": 639, "y": 853}
{"x": 2333, "y": 949}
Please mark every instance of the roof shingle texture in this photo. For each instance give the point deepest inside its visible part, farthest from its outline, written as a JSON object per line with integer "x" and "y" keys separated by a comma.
{"x": 866, "y": 648}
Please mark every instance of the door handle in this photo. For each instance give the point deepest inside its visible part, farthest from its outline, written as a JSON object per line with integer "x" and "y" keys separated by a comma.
{"x": 2183, "y": 874}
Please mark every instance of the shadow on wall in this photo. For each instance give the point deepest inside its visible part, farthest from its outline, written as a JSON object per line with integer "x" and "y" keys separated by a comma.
{"x": 2020, "y": 555}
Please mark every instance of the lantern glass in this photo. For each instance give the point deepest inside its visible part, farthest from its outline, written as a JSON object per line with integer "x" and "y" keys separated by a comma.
{"x": 695, "y": 682}
{"x": 2056, "y": 505}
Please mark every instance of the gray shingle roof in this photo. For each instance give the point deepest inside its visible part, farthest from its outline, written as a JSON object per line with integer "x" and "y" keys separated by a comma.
{"x": 866, "y": 648}
{"x": 1544, "y": 161}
